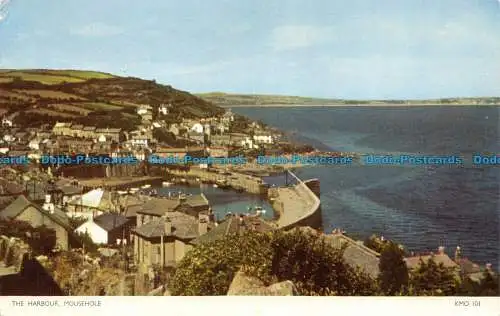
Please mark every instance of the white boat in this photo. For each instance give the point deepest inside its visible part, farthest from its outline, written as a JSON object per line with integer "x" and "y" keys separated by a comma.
{"x": 166, "y": 184}
{"x": 215, "y": 185}
{"x": 122, "y": 192}
{"x": 146, "y": 186}
{"x": 133, "y": 190}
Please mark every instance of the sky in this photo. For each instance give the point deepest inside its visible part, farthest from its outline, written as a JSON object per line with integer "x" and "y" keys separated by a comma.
{"x": 353, "y": 49}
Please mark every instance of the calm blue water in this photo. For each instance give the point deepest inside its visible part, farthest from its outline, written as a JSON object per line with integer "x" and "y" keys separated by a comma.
{"x": 420, "y": 208}
{"x": 223, "y": 201}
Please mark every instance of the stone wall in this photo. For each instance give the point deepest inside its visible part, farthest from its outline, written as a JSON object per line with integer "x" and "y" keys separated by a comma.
{"x": 305, "y": 214}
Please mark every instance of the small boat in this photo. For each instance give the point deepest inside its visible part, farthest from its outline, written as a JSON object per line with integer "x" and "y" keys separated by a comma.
{"x": 215, "y": 185}
{"x": 122, "y": 192}
{"x": 133, "y": 190}
{"x": 153, "y": 192}
{"x": 146, "y": 186}
{"x": 166, "y": 184}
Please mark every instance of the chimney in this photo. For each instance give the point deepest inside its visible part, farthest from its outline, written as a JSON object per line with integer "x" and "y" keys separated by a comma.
{"x": 441, "y": 250}
{"x": 488, "y": 267}
{"x": 168, "y": 225}
{"x": 458, "y": 252}
{"x": 202, "y": 224}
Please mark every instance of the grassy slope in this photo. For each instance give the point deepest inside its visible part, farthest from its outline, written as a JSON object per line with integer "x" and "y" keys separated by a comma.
{"x": 226, "y": 99}
{"x": 89, "y": 97}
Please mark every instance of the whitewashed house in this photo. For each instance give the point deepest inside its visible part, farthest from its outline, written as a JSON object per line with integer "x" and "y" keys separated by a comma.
{"x": 263, "y": 138}
{"x": 197, "y": 127}
{"x": 106, "y": 228}
{"x": 34, "y": 144}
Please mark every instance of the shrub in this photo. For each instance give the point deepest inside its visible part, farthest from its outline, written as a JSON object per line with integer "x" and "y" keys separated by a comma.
{"x": 301, "y": 257}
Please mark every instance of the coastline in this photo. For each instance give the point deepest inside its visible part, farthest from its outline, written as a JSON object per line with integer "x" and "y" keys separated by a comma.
{"x": 350, "y": 105}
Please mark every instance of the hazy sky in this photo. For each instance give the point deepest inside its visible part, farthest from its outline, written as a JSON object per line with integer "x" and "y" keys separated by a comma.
{"x": 345, "y": 49}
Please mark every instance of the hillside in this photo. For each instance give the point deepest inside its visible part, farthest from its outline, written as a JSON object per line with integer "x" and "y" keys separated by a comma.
{"x": 227, "y": 99}
{"x": 88, "y": 97}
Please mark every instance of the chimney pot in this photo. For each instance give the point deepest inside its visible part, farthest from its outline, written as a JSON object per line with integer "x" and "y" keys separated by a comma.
{"x": 441, "y": 250}
{"x": 167, "y": 225}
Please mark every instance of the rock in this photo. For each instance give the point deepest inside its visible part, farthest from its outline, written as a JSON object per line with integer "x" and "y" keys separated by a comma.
{"x": 285, "y": 288}
{"x": 243, "y": 284}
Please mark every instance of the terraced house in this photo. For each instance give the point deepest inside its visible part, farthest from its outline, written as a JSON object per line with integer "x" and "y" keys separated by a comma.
{"x": 62, "y": 129}
{"x": 24, "y": 210}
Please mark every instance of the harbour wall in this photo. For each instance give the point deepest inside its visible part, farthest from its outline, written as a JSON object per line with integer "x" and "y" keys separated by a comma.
{"x": 298, "y": 205}
{"x": 237, "y": 181}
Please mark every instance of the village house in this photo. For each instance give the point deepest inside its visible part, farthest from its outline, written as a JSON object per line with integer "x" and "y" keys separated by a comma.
{"x": 24, "y": 210}
{"x": 177, "y": 130}
{"x": 220, "y": 140}
{"x": 109, "y": 134}
{"x": 227, "y": 117}
{"x": 88, "y": 132}
{"x": 221, "y": 128}
{"x": 155, "y": 208}
{"x": 77, "y": 130}
{"x": 199, "y": 138}
{"x": 197, "y": 127}
{"x": 263, "y": 137}
{"x": 234, "y": 224}
{"x": 165, "y": 152}
{"x": 355, "y": 253}
{"x": 164, "y": 242}
{"x": 107, "y": 228}
{"x": 164, "y": 109}
{"x": 34, "y": 144}
{"x": 22, "y": 137}
{"x": 62, "y": 129}
{"x": 440, "y": 257}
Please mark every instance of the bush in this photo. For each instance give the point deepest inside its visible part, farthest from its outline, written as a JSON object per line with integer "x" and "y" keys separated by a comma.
{"x": 41, "y": 239}
{"x": 393, "y": 271}
{"x": 433, "y": 279}
{"x": 301, "y": 257}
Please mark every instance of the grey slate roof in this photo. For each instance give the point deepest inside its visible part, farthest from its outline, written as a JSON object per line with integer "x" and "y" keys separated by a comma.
{"x": 158, "y": 207}
{"x": 110, "y": 221}
{"x": 15, "y": 208}
{"x": 357, "y": 254}
{"x": 183, "y": 226}
{"x": 233, "y": 225}
{"x": 197, "y": 200}
{"x": 21, "y": 203}
{"x": 8, "y": 187}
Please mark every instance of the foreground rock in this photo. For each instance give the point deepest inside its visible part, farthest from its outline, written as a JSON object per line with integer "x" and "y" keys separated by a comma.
{"x": 246, "y": 285}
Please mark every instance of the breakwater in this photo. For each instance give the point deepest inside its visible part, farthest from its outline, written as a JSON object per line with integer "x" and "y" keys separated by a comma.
{"x": 297, "y": 205}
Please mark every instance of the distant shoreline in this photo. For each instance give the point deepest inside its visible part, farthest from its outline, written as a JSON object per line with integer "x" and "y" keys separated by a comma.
{"x": 348, "y": 105}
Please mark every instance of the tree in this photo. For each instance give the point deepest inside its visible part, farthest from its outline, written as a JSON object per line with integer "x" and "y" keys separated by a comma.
{"x": 393, "y": 271}
{"x": 303, "y": 257}
{"x": 489, "y": 285}
{"x": 431, "y": 278}
{"x": 208, "y": 269}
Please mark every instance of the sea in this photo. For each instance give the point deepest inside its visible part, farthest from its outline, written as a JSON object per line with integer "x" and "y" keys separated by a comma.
{"x": 418, "y": 206}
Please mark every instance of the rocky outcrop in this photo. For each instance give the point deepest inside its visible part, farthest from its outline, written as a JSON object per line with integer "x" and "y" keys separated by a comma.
{"x": 246, "y": 285}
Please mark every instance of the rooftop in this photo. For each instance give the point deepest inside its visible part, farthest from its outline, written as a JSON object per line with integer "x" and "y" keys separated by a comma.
{"x": 183, "y": 226}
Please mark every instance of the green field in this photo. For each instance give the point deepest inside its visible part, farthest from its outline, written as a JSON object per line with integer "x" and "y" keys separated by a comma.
{"x": 76, "y": 109}
{"x": 81, "y": 74}
{"x": 50, "y": 94}
{"x": 52, "y": 113}
{"x": 90, "y": 97}
{"x": 96, "y": 106}
{"x": 42, "y": 78}
{"x": 227, "y": 99}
